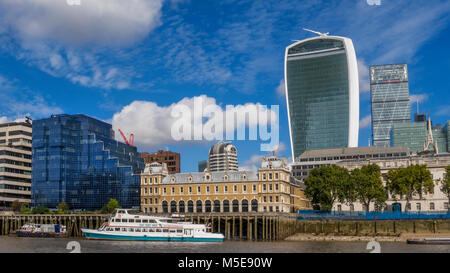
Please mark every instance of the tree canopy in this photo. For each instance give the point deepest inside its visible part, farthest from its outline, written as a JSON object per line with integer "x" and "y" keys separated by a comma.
{"x": 62, "y": 207}
{"x": 367, "y": 186}
{"x": 326, "y": 185}
{"x": 409, "y": 181}
{"x": 110, "y": 206}
{"x": 445, "y": 185}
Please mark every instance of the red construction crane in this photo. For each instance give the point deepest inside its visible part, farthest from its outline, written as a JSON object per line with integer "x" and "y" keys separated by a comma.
{"x": 131, "y": 142}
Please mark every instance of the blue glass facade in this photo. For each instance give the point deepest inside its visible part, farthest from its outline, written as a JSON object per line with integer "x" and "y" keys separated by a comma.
{"x": 76, "y": 160}
{"x": 320, "y": 96}
{"x": 389, "y": 92}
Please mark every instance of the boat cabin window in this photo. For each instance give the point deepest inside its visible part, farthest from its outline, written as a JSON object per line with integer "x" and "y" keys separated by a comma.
{"x": 138, "y": 230}
{"x": 138, "y": 220}
{"x": 131, "y": 229}
{"x": 144, "y": 221}
{"x": 158, "y": 230}
{"x": 124, "y": 229}
{"x": 117, "y": 229}
{"x": 173, "y": 231}
{"x": 124, "y": 220}
{"x": 166, "y": 230}
{"x": 180, "y": 231}
{"x": 152, "y": 221}
{"x": 131, "y": 220}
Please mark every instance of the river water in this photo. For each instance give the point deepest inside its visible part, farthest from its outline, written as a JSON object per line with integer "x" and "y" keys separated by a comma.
{"x": 9, "y": 244}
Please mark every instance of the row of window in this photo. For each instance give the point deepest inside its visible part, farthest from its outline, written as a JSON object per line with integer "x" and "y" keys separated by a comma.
{"x": 382, "y": 155}
{"x": 209, "y": 206}
{"x": 144, "y": 230}
{"x": 13, "y": 154}
{"x": 408, "y": 207}
{"x": 265, "y": 187}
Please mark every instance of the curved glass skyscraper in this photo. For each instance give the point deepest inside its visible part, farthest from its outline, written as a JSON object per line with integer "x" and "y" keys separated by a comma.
{"x": 322, "y": 94}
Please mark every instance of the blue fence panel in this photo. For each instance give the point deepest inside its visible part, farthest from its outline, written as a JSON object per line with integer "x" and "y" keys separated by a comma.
{"x": 395, "y": 215}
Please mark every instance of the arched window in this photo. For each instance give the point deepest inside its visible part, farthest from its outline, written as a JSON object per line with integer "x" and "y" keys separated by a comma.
{"x": 235, "y": 205}
{"x": 199, "y": 206}
{"x": 181, "y": 206}
{"x": 226, "y": 206}
{"x": 165, "y": 207}
{"x": 216, "y": 206}
{"x": 244, "y": 205}
{"x": 190, "y": 206}
{"x": 255, "y": 205}
{"x": 207, "y": 206}
{"x": 173, "y": 206}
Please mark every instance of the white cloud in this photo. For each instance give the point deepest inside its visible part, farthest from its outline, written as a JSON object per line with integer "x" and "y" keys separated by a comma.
{"x": 281, "y": 89}
{"x": 94, "y": 22}
{"x": 3, "y": 119}
{"x": 71, "y": 41}
{"x": 17, "y": 101}
{"x": 418, "y": 98}
{"x": 364, "y": 80}
{"x": 152, "y": 124}
{"x": 365, "y": 122}
{"x": 252, "y": 164}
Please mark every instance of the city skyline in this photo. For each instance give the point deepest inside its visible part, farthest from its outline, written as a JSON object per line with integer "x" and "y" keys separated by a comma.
{"x": 182, "y": 49}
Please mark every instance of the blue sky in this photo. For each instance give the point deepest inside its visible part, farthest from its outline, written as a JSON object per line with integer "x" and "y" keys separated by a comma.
{"x": 130, "y": 62}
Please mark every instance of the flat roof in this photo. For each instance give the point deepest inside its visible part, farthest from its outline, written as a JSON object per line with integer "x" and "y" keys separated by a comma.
{"x": 353, "y": 151}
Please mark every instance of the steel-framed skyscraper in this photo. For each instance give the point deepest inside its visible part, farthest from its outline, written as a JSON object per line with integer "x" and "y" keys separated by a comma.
{"x": 389, "y": 93}
{"x": 322, "y": 93}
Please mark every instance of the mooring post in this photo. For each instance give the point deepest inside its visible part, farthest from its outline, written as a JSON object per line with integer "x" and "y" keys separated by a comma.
{"x": 240, "y": 227}
{"x": 255, "y": 228}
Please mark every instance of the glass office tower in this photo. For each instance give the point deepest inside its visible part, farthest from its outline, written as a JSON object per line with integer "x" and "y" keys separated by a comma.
{"x": 389, "y": 94}
{"x": 322, "y": 94}
{"x": 76, "y": 160}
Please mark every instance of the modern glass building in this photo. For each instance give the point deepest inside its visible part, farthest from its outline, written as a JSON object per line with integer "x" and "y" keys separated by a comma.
{"x": 76, "y": 160}
{"x": 389, "y": 92}
{"x": 414, "y": 134}
{"x": 322, "y": 94}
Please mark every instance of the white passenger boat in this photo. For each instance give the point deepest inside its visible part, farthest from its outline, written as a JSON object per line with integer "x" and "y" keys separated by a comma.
{"x": 126, "y": 226}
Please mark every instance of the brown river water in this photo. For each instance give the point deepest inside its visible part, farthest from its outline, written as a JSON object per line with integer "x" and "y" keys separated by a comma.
{"x": 10, "y": 244}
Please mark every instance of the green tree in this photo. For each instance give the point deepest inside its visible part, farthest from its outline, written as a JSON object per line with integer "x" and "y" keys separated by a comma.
{"x": 368, "y": 186}
{"x": 40, "y": 210}
{"x": 445, "y": 185}
{"x": 326, "y": 185}
{"x": 410, "y": 181}
{"x": 16, "y": 205}
{"x": 62, "y": 207}
{"x": 110, "y": 206}
{"x": 25, "y": 209}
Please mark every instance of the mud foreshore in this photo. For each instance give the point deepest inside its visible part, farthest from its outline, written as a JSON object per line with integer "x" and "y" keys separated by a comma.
{"x": 396, "y": 238}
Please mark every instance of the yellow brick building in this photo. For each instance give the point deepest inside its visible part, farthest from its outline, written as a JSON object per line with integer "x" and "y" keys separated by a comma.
{"x": 270, "y": 189}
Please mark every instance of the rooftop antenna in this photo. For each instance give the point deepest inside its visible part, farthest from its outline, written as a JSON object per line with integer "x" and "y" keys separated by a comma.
{"x": 316, "y": 32}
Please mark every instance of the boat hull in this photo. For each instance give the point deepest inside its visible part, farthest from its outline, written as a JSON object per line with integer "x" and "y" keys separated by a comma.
{"x": 445, "y": 241}
{"x": 40, "y": 234}
{"x": 98, "y": 235}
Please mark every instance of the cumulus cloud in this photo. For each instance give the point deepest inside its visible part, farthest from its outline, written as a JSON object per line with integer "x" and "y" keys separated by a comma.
{"x": 281, "y": 89}
{"x": 364, "y": 80}
{"x": 255, "y": 160}
{"x": 70, "y": 41}
{"x": 252, "y": 164}
{"x": 94, "y": 22}
{"x": 365, "y": 122}
{"x": 153, "y": 125}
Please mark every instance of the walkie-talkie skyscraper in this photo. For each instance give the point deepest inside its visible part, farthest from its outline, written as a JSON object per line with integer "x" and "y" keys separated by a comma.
{"x": 322, "y": 93}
